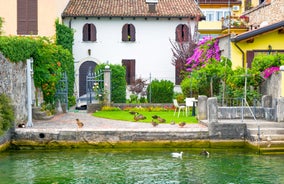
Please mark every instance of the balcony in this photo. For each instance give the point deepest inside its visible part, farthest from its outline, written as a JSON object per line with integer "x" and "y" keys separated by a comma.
{"x": 236, "y": 24}
{"x": 218, "y": 1}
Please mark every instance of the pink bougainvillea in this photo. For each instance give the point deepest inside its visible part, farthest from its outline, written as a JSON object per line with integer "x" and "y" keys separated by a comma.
{"x": 206, "y": 50}
{"x": 269, "y": 71}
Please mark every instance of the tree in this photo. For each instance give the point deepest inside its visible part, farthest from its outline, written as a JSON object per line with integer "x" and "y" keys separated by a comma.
{"x": 206, "y": 51}
{"x": 183, "y": 49}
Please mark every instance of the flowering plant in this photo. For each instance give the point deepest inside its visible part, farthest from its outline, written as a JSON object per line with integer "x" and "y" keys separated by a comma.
{"x": 269, "y": 71}
{"x": 206, "y": 50}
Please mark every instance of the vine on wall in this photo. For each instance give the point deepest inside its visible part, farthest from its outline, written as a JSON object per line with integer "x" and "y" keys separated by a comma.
{"x": 50, "y": 60}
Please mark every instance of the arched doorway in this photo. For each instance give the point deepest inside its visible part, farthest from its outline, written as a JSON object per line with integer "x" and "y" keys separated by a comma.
{"x": 83, "y": 71}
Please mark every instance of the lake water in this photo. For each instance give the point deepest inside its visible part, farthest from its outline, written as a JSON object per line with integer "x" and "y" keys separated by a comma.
{"x": 139, "y": 166}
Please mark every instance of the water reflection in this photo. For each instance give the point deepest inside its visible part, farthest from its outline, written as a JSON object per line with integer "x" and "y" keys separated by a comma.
{"x": 136, "y": 166}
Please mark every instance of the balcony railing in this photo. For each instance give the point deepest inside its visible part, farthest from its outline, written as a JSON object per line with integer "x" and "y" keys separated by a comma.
{"x": 235, "y": 22}
{"x": 218, "y": 1}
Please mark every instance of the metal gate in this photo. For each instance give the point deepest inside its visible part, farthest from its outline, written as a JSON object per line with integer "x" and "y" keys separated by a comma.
{"x": 94, "y": 85}
{"x": 62, "y": 90}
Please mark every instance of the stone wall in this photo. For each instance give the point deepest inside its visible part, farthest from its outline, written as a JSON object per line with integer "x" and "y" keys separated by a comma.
{"x": 272, "y": 12}
{"x": 13, "y": 84}
{"x": 272, "y": 86}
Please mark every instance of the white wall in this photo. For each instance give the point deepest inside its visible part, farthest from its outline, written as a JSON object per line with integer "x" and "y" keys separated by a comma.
{"x": 151, "y": 50}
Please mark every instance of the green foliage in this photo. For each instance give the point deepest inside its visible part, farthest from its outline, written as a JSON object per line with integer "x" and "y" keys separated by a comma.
{"x": 263, "y": 61}
{"x": 50, "y": 61}
{"x": 64, "y": 36}
{"x": 6, "y": 113}
{"x": 118, "y": 82}
{"x": 67, "y": 63}
{"x": 161, "y": 91}
{"x": 17, "y": 48}
{"x": 1, "y": 25}
{"x": 180, "y": 97}
{"x": 207, "y": 79}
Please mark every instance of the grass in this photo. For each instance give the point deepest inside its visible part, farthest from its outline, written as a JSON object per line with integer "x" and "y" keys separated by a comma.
{"x": 126, "y": 116}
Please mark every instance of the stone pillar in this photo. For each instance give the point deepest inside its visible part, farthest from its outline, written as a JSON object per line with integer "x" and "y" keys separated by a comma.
{"x": 266, "y": 101}
{"x": 212, "y": 110}
{"x": 202, "y": 107}
{"x": 280, "y": 109}
{"x": 212, "y": 114}
{"x": 107, "y": 84}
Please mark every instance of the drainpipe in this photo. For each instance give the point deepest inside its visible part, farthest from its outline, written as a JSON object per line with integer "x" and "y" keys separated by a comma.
{"x": 70, "y": 22}
{"x": 243, "y": 54}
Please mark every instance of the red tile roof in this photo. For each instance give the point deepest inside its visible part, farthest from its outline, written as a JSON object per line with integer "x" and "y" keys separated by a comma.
{"x": 131, "y": 8}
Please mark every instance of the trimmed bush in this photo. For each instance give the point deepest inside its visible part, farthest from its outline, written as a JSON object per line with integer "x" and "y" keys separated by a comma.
{"x": 6, "y": 113}
{"x": 118, "y": 82}
{"x": 160, "y": 91}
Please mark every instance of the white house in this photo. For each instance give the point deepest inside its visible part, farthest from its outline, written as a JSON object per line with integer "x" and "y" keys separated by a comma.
{"x": 134, "y": 33}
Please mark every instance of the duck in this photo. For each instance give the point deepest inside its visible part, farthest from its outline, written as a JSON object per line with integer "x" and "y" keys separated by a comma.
{"x": 161, "y": 120}
{"x": 177, "y": 155}
{"x": 133, "y": 112}
{"x": 155, "y": 123}
{"x": 155, "y": 116}
{"x": 21, "y": 125}
{"x": 79, "y": 123}
{"x": 205, "y": 153}
{"x": 182, "y": 124}
{"x": 139, "y": 117}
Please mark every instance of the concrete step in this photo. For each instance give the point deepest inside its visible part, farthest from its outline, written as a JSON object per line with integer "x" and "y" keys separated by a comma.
{"x": 265, "y": 125}
{"x": 273, "y": 150}
{"x": 268, "y": 137}
{"x": 266, "y": 131}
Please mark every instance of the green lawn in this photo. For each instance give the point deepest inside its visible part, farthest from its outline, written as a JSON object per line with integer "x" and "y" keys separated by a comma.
{"x": 126, "y": 116}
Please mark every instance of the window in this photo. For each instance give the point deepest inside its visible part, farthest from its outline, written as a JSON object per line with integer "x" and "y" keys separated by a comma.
{"x": 128, "y": 33}
{"x": 27, "y": 17}
{"x": 130, "y": 70}
{"x": 209, "y": 16}
{"x": 89, "y": 32}
{"x": 182, "y": 33}
{"x": 219, "y": 15}
{"x": 216, "y": 15}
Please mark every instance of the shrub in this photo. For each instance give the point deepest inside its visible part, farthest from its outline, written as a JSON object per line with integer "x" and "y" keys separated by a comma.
{"x": 118, "y": 82}
{"x": 160, "y": 91}
{"x": 6, "y": 113}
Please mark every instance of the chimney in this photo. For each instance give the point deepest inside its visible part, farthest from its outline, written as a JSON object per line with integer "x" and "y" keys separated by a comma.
{"x": 152, "y": 5}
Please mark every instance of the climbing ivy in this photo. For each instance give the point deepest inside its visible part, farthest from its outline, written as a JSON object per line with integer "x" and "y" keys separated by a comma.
{"x": 6, "y": 113}
{"x": 50, "y": 60}
{"x": 64, "y": 36}
{"x": 1, "y": 25}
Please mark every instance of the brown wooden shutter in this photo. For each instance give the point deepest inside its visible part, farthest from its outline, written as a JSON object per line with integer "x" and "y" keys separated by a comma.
{"x": 27, "y": 17}
{"x": 125, "y": 32}
{"x": 130, "y": 70}
{"x": 32, "y": 17}
{"x": 93, "y": 33}
{"x": 178, "y": 33}
{"x": 132, "y": 33}
{"x": 185, "y": 33}
{"x": 250, "y": 56}
{"x": 22, "y": 17}
{"x": 85, "y": 32}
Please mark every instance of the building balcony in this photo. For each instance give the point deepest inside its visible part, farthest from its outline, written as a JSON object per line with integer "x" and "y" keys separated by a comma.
{"x": 210, "y": 27}
{"x": 235, "y": 24}
{"x": 218, "y": 2}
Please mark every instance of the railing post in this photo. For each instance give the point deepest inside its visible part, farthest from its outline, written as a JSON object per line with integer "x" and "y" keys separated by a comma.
{"x": 29, "y": 89}
{"x": 107, "y": 84}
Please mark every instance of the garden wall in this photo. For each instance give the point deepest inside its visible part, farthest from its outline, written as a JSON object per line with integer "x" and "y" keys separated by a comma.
{"x": 13, "y": 84}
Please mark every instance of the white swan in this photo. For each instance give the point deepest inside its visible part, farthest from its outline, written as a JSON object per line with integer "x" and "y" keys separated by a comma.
{"x": 177, "y": 155}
